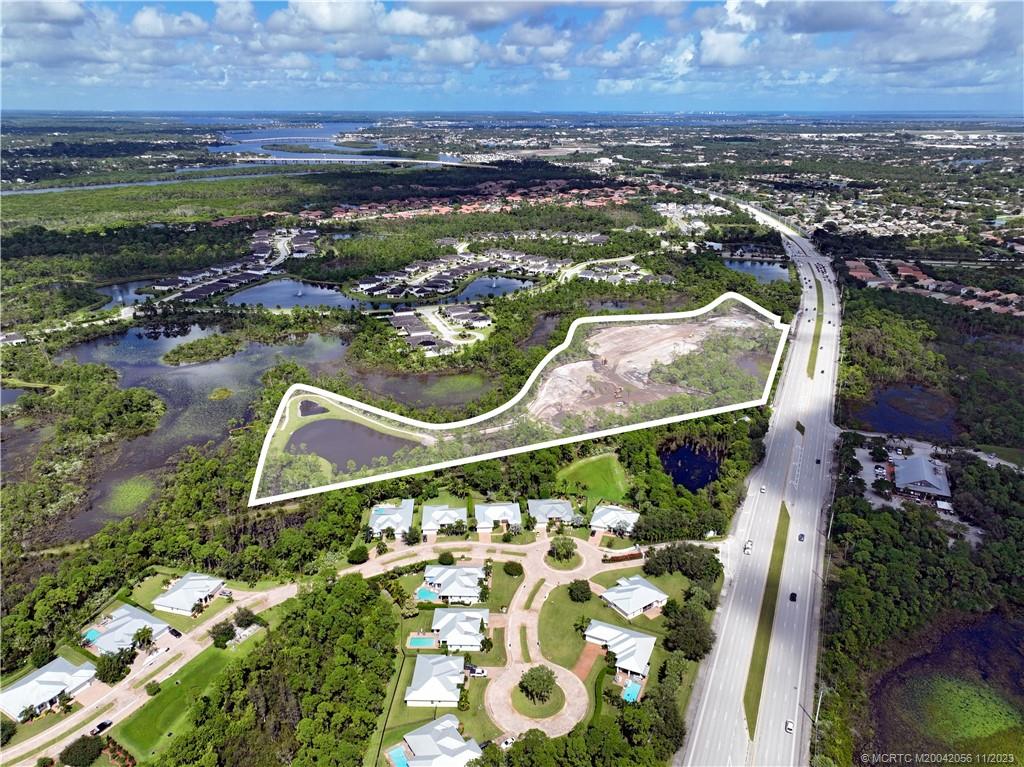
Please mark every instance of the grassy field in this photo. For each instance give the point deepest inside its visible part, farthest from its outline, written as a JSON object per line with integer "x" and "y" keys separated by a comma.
{"x": 615, "y": 542}
{"x": 458, "y": 384}
{"x": 599, "y": 477}
{"x": 527, "y": 707}
{"x": 524, "y": 644}
{"x": 1011, "y": 454}
{"x": 145, "y": 732}
{"x": 567, "y": 564}
{"x": 129, "y": 495}
{"x": 762, "y": 639}
{"x": 812, "y": 359}
{"x": 503, "y": 588}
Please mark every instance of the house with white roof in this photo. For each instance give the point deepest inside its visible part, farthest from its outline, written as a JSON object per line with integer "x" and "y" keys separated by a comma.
{"x": 119, "y": 629}
{"x": 491, "y": 515}
{"x": 397, "y": 517}
{"x": 436, "y": 680}
{"x": 460, "y": 630}
{"x": 454, "y": 583}
{"x": 41, "y": 689}
{"x": 632, "y": 648}
{"x": 613, "y": 519}
{"x": 435, "y": 517}
{"x": 633, "y": 596}
{"x": 440, "y": 744}
{"x": 550, "y": 509}
{"x": 189, "y": 590}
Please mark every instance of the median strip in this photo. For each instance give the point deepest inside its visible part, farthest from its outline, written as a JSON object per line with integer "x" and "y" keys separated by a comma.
{"x": 812, "y": 358}
{"x": 763, "y": 637}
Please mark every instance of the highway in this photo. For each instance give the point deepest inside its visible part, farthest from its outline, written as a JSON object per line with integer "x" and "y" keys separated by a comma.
{"x": 790, "y": 473}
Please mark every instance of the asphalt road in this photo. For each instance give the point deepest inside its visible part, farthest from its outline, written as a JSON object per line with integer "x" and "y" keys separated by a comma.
{"x": 790, "y": 472}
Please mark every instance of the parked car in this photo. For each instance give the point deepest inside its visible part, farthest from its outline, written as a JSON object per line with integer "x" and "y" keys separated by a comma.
{"x": 506, "y": 744}
{"x": 477, "y": 671}
{"x": 104, "y": 725}
{"x": 174, "y": 632}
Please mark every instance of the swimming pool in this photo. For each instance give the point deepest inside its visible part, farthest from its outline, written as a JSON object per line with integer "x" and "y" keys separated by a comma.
{"x": 425, "y": 594}
{"x": 397, "y": 755}
{"x": 421, "y": 642}
{"x": 92, "y": 635}
{"x": 631, "y": 692}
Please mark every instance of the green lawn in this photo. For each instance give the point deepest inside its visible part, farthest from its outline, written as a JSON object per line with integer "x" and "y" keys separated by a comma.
{"x": 84, "y": 725}
{"x": 503, "y": 588}
{"x": 763, "y": 637}
{"x": 497, "y": 655}
{"x": 524, "y": 644}
{"x": 599, "y": 477}
{"x": 38, "y": 725}
{"x": 812, "y": 359}
{"x": 475, "y": 722}
{"x": 533, "y": 593}
{"x": 564, "y": 564}
{"x": 77, "y": 655}
{"x": 615, "y": 542}
{"x": 527, "y": 707}
{"x": 1011, "y": 454}
{"x": 145, "y": 732}
{"x": 673, "y": 584}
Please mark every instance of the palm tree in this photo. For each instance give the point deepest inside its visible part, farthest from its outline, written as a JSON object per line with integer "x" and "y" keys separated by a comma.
{"x": 143, "y": 638}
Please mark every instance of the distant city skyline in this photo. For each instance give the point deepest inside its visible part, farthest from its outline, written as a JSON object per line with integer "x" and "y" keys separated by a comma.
{"x": 444, "y": 55}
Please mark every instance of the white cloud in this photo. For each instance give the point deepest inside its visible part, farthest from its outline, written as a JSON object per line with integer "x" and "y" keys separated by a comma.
{"x": 722, "y": 49}
{"x": 234, "y": 16}
{"x": 44, "y": 11}
{"x": 405, "y": 21}
{"x": 150, "y": 22}
{"x": 451, "y": 50}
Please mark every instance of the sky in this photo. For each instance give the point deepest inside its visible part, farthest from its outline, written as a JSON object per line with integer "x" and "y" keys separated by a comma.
{"x": 445, "y": 55}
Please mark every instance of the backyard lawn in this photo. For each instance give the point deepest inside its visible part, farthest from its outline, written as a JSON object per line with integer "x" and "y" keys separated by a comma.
{"x": 145, "y": 732}
{"x": 599, "y": 478}
{"x": 503, "y": 588}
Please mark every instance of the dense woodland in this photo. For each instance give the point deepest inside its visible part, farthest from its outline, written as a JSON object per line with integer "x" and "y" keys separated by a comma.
{"x": 976, "y": 357}
{"x": 895, "y": 571}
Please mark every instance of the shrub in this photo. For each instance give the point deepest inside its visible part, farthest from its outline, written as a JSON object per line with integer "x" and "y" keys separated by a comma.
{"x": 152, "y": 688}
{"x": 579, "y": 590}
{"x": 7, "y": 730}
{"x": 446, "y": 558}
{"x": 113, "y": 667}
{"x": 82, "y": 752}
{"x": 222, "y": 633}
{"x": 515, "y": 569}
{"x": 538, "y": 683}
{"x": 244, "y": 618}
{"x": 358, "y": 554}
{"x": 44, "y": 761}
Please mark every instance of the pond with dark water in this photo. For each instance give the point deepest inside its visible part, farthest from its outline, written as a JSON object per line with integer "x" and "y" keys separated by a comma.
{"x": 125, "y": 293}
{"x": 690, "y": 467}
{"x": 912, "y": 411}
{"x": 9, "y": 395}
{"x": 762, "y": 271}
{"x": 343, "y": 441}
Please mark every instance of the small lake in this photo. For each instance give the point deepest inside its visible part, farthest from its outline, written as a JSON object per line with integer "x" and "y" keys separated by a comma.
{"x": 343, "y": 441}
{"x": 912, "y": 411}
{"x": 689, "y": 467}
{"x": 965, "y": 691}
{"x": 125, "y": 293}
{"x": 762, "y": 271}
{"x": 192, "y": 418}
{"x": 9, "y": 395}
{"x": 487, "y": 287}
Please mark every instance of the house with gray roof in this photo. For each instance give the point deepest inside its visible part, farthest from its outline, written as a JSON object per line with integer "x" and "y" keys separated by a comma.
{"x": 437, "y": 516}
{"x": 396, "y": 517}
{"x": 491, "y": 515}
{"x": 118, "y": 630}
{"x": 454, "y": 583}
{"x": 919, "y": 474}
{"x": 42, "y": 688}
{"x": 436, "y": 681}
{"x": 632, "y": 649}
{"x": 440, "y": 744}
{"x": 189, "y": 590}
{"x": 550, "y": 509}
{"x": 634, "y": 596}
{"x": 460, "y": 630}
{"x": 613, "y": 519}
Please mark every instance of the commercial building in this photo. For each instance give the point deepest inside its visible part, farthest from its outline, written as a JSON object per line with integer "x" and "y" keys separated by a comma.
{"x": 919, "y": 474}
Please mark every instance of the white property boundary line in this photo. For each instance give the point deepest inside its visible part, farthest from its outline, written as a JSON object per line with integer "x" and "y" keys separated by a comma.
{"x": 254, "y": 500}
